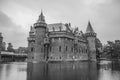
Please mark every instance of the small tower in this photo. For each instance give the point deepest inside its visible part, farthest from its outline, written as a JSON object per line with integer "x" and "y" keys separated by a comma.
{"x": 1, "y": 41}
{"x": 91, "y": 36}
{"x": 40, "y": 32}
{"x": 31, "y": 44}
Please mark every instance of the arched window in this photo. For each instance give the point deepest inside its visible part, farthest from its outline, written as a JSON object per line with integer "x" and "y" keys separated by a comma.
{"x": 59, "y": 48}
{"x": 79, "y": 50}
{"x": 82, "y": 50}
{"x": 66, "y": 48}
{"x": 50, "y": 48}
{"x": 71, "y": 49}
{"x": 32, "y": 49}
{"x": 86, "y": 50}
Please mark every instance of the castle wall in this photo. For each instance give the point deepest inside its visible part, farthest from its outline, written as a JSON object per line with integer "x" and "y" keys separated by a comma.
{"x": 61, "y": 48}
{"x": 82, "y": 51}
{"x": 65, "y": 49}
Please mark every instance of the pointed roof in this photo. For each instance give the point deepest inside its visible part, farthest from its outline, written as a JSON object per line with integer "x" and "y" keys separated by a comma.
{"x": 89, "y": 28}
{"x": 1, "y": 35}
{"x": 41, "y": 18}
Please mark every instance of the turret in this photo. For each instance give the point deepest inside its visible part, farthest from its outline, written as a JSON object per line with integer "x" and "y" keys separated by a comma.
{"x": 31, "y": 43}
{"x": 91, "y": 36}
{"x": 1, "y": 41}
{"x": 40, "y": 34}
{"x": 40, "y": 22}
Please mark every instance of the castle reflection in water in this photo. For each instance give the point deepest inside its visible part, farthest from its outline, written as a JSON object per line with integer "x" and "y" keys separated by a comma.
{"x": 103, "y": 70}
{"x": 62, "y": 71}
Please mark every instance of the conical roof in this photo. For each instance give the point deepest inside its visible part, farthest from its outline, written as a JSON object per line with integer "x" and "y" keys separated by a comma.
{"x": 41, "y": 18}
{"x": 89, "y": 28}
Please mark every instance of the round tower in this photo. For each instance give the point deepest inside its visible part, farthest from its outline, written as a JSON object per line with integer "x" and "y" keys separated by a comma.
{"x": 40, "y": 31}
{"x": 91, "y": 36}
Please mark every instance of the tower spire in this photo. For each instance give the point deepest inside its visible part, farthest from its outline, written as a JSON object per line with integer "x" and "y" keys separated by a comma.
{"x": 41, "y": 18}
{"x": 89, "y": 28}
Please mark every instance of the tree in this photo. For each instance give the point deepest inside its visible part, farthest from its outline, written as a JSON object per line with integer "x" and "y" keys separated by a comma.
{"x": 112, "y": 49}
{"x": 10, "y": 48}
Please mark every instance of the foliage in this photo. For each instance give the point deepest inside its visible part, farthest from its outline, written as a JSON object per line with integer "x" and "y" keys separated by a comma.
{"x": 112, "y": 49}
{"x": 10, "y": 48}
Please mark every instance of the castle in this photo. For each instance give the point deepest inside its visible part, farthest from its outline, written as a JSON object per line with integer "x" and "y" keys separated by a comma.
{"x": 60, "y": 42}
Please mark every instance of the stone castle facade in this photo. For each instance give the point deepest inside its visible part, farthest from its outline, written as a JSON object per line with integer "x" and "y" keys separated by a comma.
{"x": 60, "y": 42}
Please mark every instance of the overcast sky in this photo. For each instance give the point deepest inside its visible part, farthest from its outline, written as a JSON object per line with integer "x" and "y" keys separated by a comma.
{"x": 16, "y": 17}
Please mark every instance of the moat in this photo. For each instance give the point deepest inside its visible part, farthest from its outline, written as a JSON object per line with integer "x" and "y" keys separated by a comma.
{"x": 103, "y": 70}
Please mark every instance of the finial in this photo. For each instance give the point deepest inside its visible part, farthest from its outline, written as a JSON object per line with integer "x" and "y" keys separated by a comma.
{"x": 41, "y": 12}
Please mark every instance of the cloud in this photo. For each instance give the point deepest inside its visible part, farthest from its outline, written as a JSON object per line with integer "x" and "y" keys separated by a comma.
{"x": 11, "y": 32}
{"x": 5, "y": 20}
{"x": 17, "y": 15}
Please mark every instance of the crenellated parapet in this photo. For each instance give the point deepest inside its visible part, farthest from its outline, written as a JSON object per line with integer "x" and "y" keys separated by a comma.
{"x": 37, "y": 25}
{"x": 91, "y": 34}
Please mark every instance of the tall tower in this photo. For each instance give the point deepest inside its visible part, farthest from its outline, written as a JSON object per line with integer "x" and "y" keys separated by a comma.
{"x": 91, "y": 36}
{"x": 40, "y": 31}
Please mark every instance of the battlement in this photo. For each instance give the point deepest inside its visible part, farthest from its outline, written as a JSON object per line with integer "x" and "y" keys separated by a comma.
{"x": 37, "y": 25}
{"x": 90, "y": 34}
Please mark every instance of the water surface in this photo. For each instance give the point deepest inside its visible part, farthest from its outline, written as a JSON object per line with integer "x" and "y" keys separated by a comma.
{"x": 103, "y": 70}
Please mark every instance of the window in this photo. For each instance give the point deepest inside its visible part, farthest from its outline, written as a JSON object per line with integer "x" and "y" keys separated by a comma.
{"x": 82, "y": 50}
{"x": 86, "y": 51}
{"x": 66, "y": 48}
{"x": 59, "y": 48}
{"x": 79, "y": 50}
{"x": 32, "y": 49}
{"x": 50, "y": 48}
{"x": 71, "y": 49}
{"x": 60, "y": 57}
